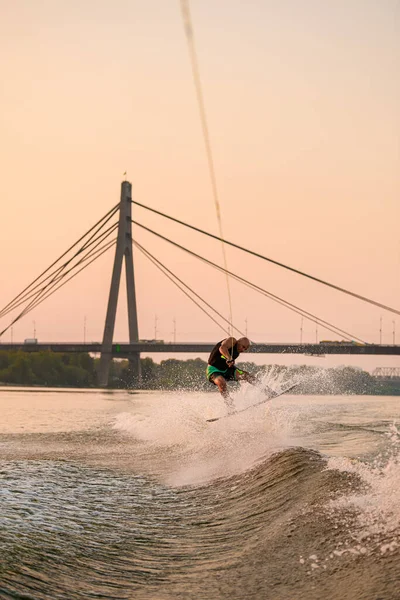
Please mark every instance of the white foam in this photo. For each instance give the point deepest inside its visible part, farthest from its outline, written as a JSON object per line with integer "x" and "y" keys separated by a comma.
{"x": 199, "y": 451}
{"x": 378, "y": 506}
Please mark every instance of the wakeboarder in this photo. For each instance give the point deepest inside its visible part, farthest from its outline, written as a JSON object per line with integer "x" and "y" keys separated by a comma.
{"x": 221, "y": 365}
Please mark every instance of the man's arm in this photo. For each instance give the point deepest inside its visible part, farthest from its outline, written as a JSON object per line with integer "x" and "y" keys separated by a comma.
{"x": 226, "y": 348}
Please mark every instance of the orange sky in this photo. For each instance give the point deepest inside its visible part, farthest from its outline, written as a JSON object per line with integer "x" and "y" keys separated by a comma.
{"x": 303, "y": 104}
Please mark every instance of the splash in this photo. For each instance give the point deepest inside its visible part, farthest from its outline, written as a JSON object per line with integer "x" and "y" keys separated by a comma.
{"x": 377, "y": 506}
{"x": 181, "y": 446}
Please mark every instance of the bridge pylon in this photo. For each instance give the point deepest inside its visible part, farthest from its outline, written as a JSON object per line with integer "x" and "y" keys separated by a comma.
{"x": 123, "y": 250}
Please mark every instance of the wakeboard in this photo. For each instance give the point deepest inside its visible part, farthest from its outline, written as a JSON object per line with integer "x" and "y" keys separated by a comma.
{"x": 276, "y": 395}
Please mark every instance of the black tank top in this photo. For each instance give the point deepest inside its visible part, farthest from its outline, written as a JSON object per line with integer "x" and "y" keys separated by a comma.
{"x": 216, "y": 360}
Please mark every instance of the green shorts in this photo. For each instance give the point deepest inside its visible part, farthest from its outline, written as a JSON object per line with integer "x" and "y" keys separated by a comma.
{"x": 229, "y": 374}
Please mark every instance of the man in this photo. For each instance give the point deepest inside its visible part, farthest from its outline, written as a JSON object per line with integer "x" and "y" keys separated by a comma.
{"x": 221, "y": 365}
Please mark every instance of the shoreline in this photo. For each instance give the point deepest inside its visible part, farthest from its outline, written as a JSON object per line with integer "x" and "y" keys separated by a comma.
{"x": 93, "y": 389}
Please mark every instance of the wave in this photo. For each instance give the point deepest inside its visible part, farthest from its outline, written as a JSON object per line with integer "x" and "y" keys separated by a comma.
{"x": 158, "y": 504}
{"x": 272, "y": 531}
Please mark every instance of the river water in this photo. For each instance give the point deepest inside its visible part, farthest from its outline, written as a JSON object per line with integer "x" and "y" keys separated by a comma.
{"x": 119, "y": 495}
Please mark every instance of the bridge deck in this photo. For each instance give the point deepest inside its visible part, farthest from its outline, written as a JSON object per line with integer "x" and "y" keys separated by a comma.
{"x": 124, "y": 350}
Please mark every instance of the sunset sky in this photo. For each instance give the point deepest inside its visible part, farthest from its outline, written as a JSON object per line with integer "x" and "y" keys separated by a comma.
{"x": 303, "y": 104}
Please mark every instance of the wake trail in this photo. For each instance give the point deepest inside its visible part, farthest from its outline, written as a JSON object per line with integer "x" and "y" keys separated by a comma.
{"x": 176, "y": 440}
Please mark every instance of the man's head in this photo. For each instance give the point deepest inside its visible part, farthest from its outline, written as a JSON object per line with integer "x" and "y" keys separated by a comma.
{"x": 243, "y": 344}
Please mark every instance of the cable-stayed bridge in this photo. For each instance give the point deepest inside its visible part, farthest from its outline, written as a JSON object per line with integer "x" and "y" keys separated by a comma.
{"x": 114, "y": 230}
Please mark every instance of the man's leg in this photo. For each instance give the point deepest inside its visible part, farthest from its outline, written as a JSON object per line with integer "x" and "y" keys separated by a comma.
{"x": 220, "y": 382}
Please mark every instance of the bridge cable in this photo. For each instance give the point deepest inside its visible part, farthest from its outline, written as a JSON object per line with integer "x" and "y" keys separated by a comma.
{"x": 309, "y": 316}
{"x": 271, "y": 260}
{"x": 92, "y": 240}
{"x": 188, "y": 26}
{"x": 277, "y": 299}
{"x": 155, "y": 260}
{"x": 94, "y": 254}
{"x": 39, "y": 296}
{"x": 164, "y": 270}
{"x": 59, "y": 278}
{"x": 34, "y": 303}
{"x": 49, "y": 293}
{"x": 105, "y": 218}
{"x": 56, "y": 273}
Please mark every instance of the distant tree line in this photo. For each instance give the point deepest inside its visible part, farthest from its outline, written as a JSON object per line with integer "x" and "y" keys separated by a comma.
{"x": 47, "y": 369}
{"x": 80, "y": 370}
